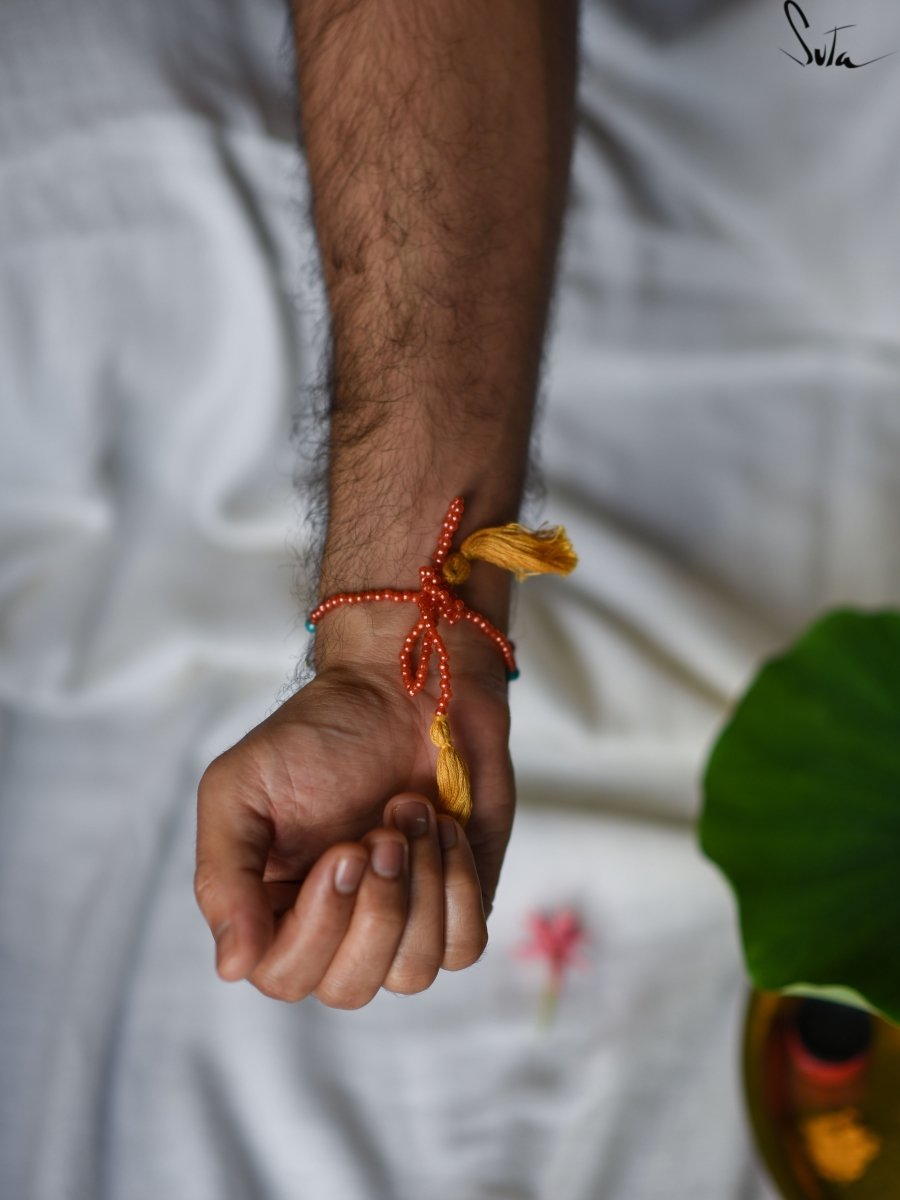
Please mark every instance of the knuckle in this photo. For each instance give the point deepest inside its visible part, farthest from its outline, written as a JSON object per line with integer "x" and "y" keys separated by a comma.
{"x": 337, "y": 995}
{"x": 467, "y": 952}
{"x": 412, "y": 974}
{"x": 409, "y": 983}
{"x": 278, "y": 987}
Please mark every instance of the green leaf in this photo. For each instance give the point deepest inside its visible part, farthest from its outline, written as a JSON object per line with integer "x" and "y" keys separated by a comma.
{"x": 802, "y": 812}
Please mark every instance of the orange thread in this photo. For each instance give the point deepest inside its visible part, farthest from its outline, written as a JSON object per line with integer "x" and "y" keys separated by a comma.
{"x": 510, "y": 546}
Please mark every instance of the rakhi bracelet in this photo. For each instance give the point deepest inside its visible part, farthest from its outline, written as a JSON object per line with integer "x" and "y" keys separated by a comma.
{"x": 522, "y": 551}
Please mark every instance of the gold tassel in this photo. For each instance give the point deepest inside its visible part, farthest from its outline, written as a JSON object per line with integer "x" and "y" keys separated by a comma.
{"x": 454, "y": 788}
{"x": 522, "y": 551}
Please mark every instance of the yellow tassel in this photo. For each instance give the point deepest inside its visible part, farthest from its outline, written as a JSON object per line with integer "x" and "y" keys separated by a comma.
{"x": 454, "y": 788}
{"x": 522, "y": 551}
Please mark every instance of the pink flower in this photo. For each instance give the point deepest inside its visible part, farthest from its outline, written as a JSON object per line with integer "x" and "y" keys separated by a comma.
{"x": 556, "y": 938}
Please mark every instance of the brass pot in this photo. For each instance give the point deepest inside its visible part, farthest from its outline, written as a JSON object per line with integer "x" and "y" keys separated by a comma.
{"x": 822, "y": 1084}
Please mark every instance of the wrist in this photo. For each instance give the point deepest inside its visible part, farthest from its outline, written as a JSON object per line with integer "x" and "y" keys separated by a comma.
{"x": 394, "y": 567}
{"x": 372, "y": 545}
{"x": 370, "y": 636}
{"x": 358, "y": 636}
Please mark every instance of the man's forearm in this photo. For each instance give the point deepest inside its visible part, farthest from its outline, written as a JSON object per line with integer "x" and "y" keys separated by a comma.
{"x": 438, "y": 137}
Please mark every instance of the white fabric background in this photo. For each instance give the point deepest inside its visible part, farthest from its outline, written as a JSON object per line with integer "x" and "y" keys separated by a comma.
{"x": 721, "y": 438}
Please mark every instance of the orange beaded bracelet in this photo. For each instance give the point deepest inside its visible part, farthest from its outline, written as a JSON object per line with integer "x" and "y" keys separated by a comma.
{"x": 522, "y": 551}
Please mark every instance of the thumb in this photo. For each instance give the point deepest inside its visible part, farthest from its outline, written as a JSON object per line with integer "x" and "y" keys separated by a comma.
{"x": 232, "y": 847}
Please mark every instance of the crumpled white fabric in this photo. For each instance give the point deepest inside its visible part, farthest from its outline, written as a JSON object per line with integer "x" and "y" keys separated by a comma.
{"x": 721, "y": 438}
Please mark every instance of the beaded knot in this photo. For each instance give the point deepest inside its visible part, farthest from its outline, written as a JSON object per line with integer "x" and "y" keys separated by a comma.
{"x": 435, "y": 602}
{"x": 457, "y": 568}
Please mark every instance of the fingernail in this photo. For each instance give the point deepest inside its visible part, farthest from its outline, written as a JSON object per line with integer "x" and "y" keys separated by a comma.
{"x": 411, "y": 818}
{"x": 226, "y": 943}
{"x": 387, "y": 858}
{"x": 447, "y": 832}
{"x": 348, "y": 874}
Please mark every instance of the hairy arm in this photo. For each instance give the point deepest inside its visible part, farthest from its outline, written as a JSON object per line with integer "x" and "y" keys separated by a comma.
{"x": 438, "y": 137}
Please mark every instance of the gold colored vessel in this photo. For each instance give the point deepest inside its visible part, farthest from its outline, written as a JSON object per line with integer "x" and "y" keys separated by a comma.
{"x": 823, "y": 1089}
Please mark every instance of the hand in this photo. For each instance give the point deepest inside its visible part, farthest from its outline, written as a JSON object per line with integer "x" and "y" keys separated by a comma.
{"x": 385, "y": 911}
{"x": 301, "y": 798}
